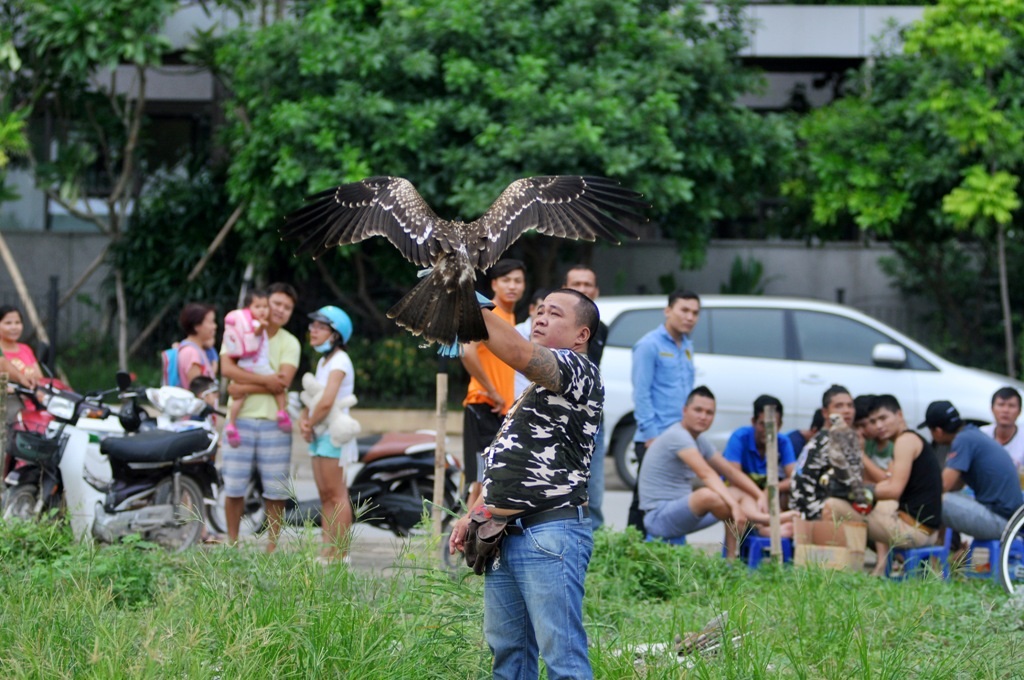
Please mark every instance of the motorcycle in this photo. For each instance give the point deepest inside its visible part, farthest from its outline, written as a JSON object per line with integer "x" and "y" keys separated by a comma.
{"x": 32, "y": 476}
{"x": 153, "y": 482}
{"x": 389, "y": 487}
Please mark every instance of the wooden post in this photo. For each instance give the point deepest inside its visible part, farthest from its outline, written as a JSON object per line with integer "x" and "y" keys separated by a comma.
{"x": 772, "y": 484}
{"x": 440, "y": 449}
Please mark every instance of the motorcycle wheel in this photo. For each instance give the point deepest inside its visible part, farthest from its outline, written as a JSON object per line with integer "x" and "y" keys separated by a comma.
{"x": 189, "y": 512}
{"x": 450, "y": 507}
{"x": 253, "y": 515}
{"x": 20, "y": 502}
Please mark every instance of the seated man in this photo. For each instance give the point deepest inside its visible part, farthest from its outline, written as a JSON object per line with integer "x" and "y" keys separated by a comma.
{"x": 914, "y": 480}
{"x": 1006, "y": 407}
{"x": 677, "y": 457}
{"x": 822, "y": 474}
{"x": 979, "y": 462}
{"x": 746, "y": 448}
{"x": 879, "y": 453}
{"x": 877, "y": 458}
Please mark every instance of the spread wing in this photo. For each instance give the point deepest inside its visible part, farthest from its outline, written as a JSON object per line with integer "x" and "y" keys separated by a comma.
{"x": 377, "y": 206}
{"x": 567, "y": 206}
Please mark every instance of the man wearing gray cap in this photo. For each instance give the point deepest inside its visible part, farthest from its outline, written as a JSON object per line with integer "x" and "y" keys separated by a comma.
{"x": 977, "y": 461}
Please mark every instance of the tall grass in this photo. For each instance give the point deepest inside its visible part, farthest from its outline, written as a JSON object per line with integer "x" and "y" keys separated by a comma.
{"x": 130, "y": 610}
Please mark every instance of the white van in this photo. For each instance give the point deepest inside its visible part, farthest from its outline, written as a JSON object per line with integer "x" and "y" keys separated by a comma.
{"x": 790, "y": 348}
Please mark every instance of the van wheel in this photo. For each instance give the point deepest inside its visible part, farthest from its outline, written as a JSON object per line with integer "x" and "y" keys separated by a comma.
{"x": 625, "y": 454}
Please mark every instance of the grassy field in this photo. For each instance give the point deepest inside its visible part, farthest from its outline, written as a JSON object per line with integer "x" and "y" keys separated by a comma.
{"x": 127, "y": 611}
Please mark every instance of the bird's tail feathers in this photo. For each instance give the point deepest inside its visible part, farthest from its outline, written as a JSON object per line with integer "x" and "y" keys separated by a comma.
{"x": 441, "y": 311}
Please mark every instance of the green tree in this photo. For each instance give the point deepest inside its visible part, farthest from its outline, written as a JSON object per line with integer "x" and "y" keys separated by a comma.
{"x": 927, "y": 151}
{"x": 463, "y": 96}
{"x": 71, "y": 51}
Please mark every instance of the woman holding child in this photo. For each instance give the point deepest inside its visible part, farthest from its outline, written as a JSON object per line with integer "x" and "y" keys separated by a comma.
{"x": 330, "y": 330}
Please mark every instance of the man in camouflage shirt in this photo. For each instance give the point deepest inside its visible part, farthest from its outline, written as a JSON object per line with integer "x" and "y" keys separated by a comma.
{"x": 832, "y": 466}
{"x": 535, "y": 474}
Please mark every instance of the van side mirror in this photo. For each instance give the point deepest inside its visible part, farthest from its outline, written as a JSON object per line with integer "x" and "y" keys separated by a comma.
{"x": 888, "y": 355}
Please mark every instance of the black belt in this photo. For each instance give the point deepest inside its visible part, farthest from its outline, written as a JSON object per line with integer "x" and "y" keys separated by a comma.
{"x": 518, "y": 523}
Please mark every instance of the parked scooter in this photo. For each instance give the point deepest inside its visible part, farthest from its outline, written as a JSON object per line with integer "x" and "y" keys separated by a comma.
{"x": 35, "y": 443}
{"x": 394, "y": 480}
{"x": 389, "y": 487}
{"x": 154, "y": 483}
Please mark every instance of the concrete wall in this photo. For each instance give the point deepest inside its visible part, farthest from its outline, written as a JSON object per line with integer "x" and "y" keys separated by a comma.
{"x": 847, "y": 272}
{"x": 41, "y": 255}
{"x": 844, "y": 272}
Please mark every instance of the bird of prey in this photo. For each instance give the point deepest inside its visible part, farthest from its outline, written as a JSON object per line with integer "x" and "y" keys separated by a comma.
{"x": 443, "y": 306}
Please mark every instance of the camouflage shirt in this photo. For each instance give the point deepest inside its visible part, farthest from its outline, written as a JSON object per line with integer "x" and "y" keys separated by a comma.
{"x": 540, "y": 458}
{"x": 833, "y": 468}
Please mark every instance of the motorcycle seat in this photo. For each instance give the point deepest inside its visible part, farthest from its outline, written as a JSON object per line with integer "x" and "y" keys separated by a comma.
{"x": 155, "y": 446}
{"x": 392, "y": 444}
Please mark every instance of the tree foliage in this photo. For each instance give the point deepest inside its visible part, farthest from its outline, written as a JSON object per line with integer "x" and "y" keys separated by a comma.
{"x": 927, "y": 151}
{"x": 463, "y": 96}
{"x": 72, "y": 53}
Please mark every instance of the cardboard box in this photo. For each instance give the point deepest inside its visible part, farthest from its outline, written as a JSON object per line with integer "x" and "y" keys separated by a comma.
{"x": 830, "y": 544}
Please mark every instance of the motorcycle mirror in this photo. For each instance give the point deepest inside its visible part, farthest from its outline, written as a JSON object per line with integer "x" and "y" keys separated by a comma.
{"x": 130, "y": 417}
{"x": 124, "y": 380}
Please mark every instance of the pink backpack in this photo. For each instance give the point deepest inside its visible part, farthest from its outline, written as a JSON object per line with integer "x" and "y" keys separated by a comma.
{"x": 241, "y": 339}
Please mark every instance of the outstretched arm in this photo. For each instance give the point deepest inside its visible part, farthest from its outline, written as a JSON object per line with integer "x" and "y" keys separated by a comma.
{"x": 535, "y": 362}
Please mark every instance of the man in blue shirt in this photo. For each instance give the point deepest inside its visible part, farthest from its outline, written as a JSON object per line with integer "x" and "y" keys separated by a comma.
{"x": 747, "y": 445}
{"x": 745, "y": 451}
{"x": 977, "y": 461}
{"x": 662, "y": 378}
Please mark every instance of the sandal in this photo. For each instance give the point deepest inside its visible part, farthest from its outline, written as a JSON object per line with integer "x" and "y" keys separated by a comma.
{"x": 231, "y": 432}
{"x": 284, "y": 421}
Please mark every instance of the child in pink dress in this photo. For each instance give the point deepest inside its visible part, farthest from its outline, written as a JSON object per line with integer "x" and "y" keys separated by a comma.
{"x": 245, "y": 339}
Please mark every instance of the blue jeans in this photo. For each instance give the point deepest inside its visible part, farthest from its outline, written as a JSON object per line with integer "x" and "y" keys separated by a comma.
{"x": 533, "y": 601}
{"x": 967, "y": 515}
{"x": 595, "y": 487}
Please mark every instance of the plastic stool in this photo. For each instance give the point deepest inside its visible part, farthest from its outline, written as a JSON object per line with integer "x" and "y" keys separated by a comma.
{"x": 993, "y": 546}
{"x": 671, "y": 540}
{"x": 755, "y": 548}
{"x": 915, "y": 558}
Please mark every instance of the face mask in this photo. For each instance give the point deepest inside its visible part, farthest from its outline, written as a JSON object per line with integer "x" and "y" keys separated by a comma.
{"x": 324, "y": 348}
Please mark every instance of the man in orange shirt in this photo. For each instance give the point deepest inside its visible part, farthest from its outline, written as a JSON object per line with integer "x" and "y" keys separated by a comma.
{"x": 491, "y": 385}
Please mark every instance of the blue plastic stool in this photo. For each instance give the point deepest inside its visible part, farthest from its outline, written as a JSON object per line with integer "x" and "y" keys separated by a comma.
{"x": 993, "y": 546}
{"x": 755, "y": 548}
{"x": 671, "y": 540}
{"x": 915, "y": 558}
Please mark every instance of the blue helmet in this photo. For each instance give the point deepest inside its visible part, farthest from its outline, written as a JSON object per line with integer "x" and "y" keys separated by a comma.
{"x": 336, "y": 318}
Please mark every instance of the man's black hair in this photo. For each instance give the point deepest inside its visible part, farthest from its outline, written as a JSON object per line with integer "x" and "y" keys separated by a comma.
{"x": 826, "y": 398}
{"x": 886, "y": 401}
{"x": 1003, "y": 393}
{"x": 505, "y": 266}
{"x": 767, "y": 400}
{"x": 817, "y": 420}
{"x": 699, "y": 391}
{"x": 862, "y": 406}
{"x": 682, "y": 295}
{"x": 538, "y": 296}
{"x": 284, "y": 288}
{"x": 578, "y": 268}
